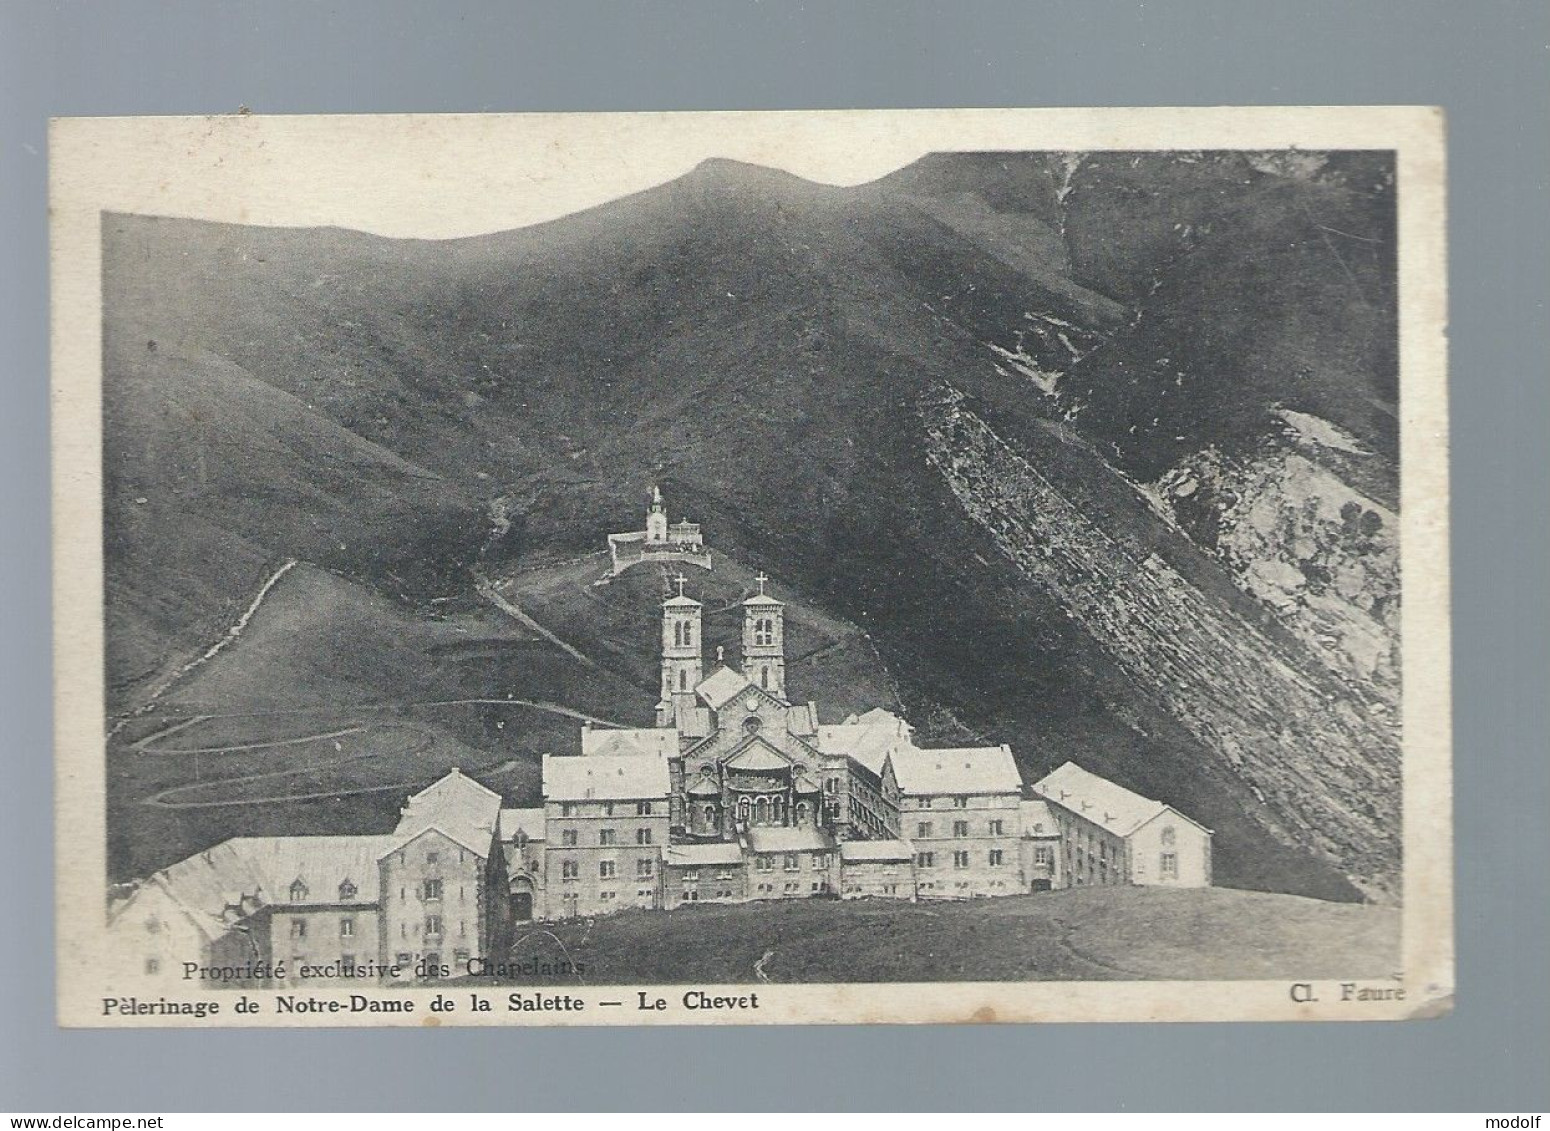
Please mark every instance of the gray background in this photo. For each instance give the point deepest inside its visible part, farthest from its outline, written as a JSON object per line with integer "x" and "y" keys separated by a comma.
{"x": 1487, "y": 63}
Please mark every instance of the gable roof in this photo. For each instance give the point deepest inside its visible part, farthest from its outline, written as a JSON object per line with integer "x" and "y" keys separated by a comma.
{"x": 754, "y": 753}
{"x": 529, "y": 822}
{"x": 642, "y": 741}
{"x": 721, "y": 687}
{"x": 223, "y": 885}
{"x": 1099, "y": 800}
{"x": 866, "y": 738}
{"x": 323, "y": 864}
{"x": 458, "y": 807}
{"x": 1038, "y": 820}
{"x": 959, "y": 769}
{"x": 604, "y": 778}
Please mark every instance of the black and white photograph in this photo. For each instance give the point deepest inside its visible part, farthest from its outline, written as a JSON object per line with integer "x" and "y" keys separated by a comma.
{"x": 752, "y": 568}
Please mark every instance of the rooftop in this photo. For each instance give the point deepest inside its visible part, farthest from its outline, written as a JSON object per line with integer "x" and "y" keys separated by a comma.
{"x": 640, "y": 742}
{"x": 604, "y": 778}
{"x": 528, "y": 822}
{"x": 701, "y": 855}
{"x": 1101, "y": 801}
{"x": 1038, "y": 820}
{"x": 721, "y": 687}
{"x": 866, "y": 738}
{"x": 455, "y": 805}
{"x": 956, "y": 770}
{"x": 789, "y": 840}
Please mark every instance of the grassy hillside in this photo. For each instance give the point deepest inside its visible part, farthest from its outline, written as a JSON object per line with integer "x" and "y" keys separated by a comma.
{"x": 759, "y": 346}
{"x": 1085, "y": 934}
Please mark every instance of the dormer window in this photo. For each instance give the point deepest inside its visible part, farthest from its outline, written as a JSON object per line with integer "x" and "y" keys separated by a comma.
{"x": 347, "y": 891}
{"x": 298, "y": 891}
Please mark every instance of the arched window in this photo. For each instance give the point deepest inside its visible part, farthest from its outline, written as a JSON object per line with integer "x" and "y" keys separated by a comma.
{"x": 298, "y": 891}
{"x": 761, "y": 812}
{"x": 778, "y": 810}
{"x": 346, "y": 891}
{"x": 710, "y": 816}
{"x": 742, "y": 809}
{"x": 801, "y": 812}
{"x": 764, "y": 630}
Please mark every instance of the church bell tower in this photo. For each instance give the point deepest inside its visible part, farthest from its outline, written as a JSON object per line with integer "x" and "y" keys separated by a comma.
{"x": 681, "y": 664}
{"x": 764, "y": 641}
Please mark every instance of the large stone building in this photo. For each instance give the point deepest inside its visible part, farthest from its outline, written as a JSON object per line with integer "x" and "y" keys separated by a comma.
{"x": 735, "y": 793}
{"x": 739, "y": 793}
{"x": 424, "y": 900}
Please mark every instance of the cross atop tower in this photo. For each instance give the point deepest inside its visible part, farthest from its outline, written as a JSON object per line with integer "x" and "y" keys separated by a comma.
{"x": 761, "y": 579}
{"x": 681, "y": 580}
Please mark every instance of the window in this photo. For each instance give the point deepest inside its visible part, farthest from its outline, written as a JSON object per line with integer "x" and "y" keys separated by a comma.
{"x": 996, "y": 828}
{"x": 1043, "y": 855}
{"x": 433, "y": 924}
{"x": 153, "y": 966}
{"x": 298, "y": 892}
{"x": 765, "y": 863}
{"x": 642, "y": 836}
{"x": 460, "y": 957}
{"x": 568, "y": 838}
{"x": 764, "y": 631}
{"x": 567, "y": 809}
{"x": 298, "y": 928}
{"x": 923, "y": 829}
{"x": 683, "y": 680}
{"x": 432, "y": 890}
{"x": 643, "y": 808}
{"x": 570, "y": 870}
{"x": 801, "y": 812}
{"x": 960, "y": 803}
{"x": 996, "y": 859}
{"x": 925, "y": 859}
{"x": 347, "y": 962}
{"x": 346, "y": 928}
{"x": 960, "y": 860}
{"x": 820, "y": 860}
{"x": 793, "y": 861}
{"x": 960, "y": 828}
{"x": 1168, "y": 836}
{"x": 1170, "y": 865}
{"x": 608, "y": 808}
{"x": 403, "y": 958}
{"x": 432, "y": 857}
{"x": 643, "y": 869}
{"x": 347, "y": 892}
{"x": 606, "y": 838}
{"x": 606, "y": 869}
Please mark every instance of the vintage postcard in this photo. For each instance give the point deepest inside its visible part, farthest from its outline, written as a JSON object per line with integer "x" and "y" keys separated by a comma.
{"x": 903, "y": 566}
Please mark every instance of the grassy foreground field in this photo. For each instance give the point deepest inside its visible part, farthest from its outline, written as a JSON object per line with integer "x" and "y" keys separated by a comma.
{"x": 1080, "y": 934}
